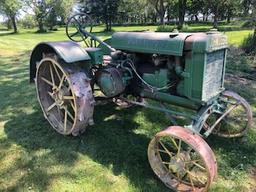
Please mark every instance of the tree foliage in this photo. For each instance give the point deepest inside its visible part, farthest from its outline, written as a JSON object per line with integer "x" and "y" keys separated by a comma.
{"x": 10, "y": 9}
{"x": 102, "y": 10}
{"x": 47, "y": 12}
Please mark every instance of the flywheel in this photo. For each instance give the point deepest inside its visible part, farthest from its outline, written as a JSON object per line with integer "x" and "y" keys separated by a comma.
{"x": 65, "y": 96}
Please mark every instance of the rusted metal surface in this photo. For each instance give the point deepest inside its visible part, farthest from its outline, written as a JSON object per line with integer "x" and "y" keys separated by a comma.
{"x": 177, "y": 170}
{"x": 65, "y": 96}
{"x": 67, "y": 50}
{"x": 226, "y": 118}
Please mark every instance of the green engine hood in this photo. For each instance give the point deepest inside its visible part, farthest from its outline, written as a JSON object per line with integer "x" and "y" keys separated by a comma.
{"x": 150, "y": 42}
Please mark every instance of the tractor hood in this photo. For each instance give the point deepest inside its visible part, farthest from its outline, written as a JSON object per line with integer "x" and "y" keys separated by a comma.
{"x": 150, "y": 42}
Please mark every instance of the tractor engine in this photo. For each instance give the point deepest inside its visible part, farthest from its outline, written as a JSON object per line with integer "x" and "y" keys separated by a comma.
{"x": 179, "y": 64}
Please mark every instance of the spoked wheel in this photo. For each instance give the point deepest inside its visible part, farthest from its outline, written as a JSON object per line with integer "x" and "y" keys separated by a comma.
{"x": 182, "y": 160}
{"x": 65, "y": 96}
{"x": 237, "y": 120}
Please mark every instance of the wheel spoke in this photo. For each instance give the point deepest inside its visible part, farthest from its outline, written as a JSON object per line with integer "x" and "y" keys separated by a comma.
{"x": 72, "y": 105}
{"x": 69, "y": 114}
{"x": 192, "y": 183}
{"x": 179, "y": 148}
{"x": 193, "y": 176}
{"x": 61, "y": 81}
{"x": 167, "y": 151}
{"x": 163, "y": 151}
{"x": 57, "y": 72}
{"x": 52, "y": 77}
{"x": 74, "y": 34}
{"x": 198, "y": 165}
{"x": 68, "y": 97}
{"x": 174, "y": 143}
{"x": 166, "y": 163}
{"x": 47, "y": 81}
{"x": 51, "y": 94}
{"x": 51, "y": 107}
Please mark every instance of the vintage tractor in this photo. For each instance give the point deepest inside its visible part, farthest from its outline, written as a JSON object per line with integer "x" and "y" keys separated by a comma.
{"x": 179, "y": 74}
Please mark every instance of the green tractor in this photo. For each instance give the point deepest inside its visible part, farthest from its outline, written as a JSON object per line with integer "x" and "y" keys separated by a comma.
{"x": 176, "y": 70}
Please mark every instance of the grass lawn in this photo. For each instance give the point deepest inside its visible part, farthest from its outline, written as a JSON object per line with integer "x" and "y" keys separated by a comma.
{"x": 112, "y": 155}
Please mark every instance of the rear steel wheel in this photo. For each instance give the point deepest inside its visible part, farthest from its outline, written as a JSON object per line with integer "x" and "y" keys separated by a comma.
{"x": 65, "y": 96}
{"x": 182, "y": 160}
{"x": 238, "y": 118}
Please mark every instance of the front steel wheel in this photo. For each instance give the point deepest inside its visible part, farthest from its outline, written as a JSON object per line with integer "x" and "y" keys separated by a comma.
{"x": 65, "y": 96}
{"x": 237, "y": 120}
{"x": 182, "y": 160}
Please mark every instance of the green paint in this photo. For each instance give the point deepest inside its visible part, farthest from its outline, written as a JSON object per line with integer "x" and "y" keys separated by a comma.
{"x": 96, "y": 55}
{"x": 204, "y": 67}
{"x": 171, "y": 99}
{"x": 149, "y": 42}
{"x": 158, "y": 79}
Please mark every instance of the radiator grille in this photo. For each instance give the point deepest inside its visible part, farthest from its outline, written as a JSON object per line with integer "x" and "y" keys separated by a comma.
{"x": 213, "y": 74}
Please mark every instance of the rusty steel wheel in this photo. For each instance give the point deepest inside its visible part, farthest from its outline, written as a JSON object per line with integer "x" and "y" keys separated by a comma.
{"x": 182, "y": 160}
{"x": 237, "y": 121}
{"x": 65, "y": 96}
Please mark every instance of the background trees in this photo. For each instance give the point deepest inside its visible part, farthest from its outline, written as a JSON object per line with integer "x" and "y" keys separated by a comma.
{"x": 48, "y": 14}
{"x": 10, "y": 9}
{"x": 102, "y": 10}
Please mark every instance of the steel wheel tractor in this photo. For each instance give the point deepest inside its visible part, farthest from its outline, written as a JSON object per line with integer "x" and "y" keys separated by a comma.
{"x": 176, "y": 70}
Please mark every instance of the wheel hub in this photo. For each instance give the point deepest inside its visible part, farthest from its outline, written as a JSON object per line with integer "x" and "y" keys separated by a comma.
{"x": 57, "y": 95}
{"x": 177, "y": 163}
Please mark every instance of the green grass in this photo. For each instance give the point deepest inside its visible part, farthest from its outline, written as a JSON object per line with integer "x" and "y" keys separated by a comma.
{"x": 110, "y": 156}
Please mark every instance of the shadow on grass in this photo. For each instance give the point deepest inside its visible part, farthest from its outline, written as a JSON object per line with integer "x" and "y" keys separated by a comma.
{"x": 110, "y": 142}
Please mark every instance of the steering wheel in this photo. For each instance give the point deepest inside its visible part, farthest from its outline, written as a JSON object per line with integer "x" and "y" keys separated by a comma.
{"x": 78, "y": 23}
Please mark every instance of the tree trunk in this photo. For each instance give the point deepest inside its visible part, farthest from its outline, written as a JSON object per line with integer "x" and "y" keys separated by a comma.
{"x": 14, "y": 25}
{"x": 215, "y": 22}
{"x": 110, "y": 24}
{"x": 40, "y": 26}
{"x": 196, "y": 17}
{"x": 160, "y": 10}
{"x": 8, "y": 24}
{"x": 182, "y": 9}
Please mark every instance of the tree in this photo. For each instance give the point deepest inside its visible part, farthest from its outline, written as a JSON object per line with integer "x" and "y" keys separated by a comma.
{"x": 10, "y": 8}
{"x": 49, "y": 12}
{"x": 215, "y": 7}
{"x": 134, "y": 11}
{"x": 103, "y": 10}
{"x": 41, "y": 9}
{"x": 59, "y": 12}
{"x": 195, "y": 7}
{"x": 28, "y": 21}
{"x": 182, "y": 11}
{"x": 161, "y": 8}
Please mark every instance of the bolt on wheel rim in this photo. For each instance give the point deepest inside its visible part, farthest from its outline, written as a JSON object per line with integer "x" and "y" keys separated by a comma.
{"x": 56, "y": 90}
{"x": 183, "y": 161}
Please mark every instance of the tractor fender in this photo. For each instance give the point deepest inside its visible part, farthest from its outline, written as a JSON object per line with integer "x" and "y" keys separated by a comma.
{"x": 69, "y": 51}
